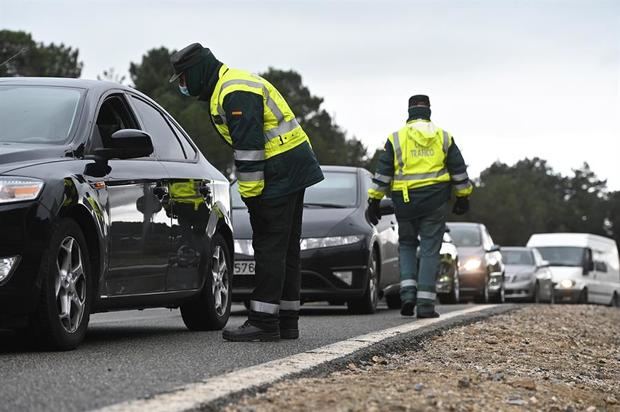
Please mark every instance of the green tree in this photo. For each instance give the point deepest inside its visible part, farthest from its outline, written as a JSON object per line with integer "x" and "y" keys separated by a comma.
{"x": 25, "y": 57}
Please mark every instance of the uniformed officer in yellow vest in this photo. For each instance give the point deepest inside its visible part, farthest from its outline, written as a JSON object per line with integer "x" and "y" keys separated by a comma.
{"x": 274, "y": 165}
{"x": 420, "y": 167}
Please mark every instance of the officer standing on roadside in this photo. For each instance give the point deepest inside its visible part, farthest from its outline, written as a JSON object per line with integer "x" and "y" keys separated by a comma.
{"x": 421, "y": 165}
{"x": 275, "y": 164}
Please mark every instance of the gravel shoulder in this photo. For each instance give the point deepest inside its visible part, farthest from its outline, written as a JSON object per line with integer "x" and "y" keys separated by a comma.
{"x": 549, "y": 358}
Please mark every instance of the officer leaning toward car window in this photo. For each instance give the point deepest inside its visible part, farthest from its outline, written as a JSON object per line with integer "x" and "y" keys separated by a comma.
{"x": 275, "y": 164}
{"x": 421, "y": 165}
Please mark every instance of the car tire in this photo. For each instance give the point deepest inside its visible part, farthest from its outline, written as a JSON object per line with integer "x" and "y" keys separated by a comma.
{"x": 499, "y": 297}
{"x": 583, "y": 297}
{"x": 393, "y": 301}
{"x": 211, "y": 309}
{"x": 536, "y": 297}
{"x": 63, "y": 311}
{"x": 367, "y": 304}
{"x": 483, "y": 295}
{"x": 615, "y": 301}
{"x": 455, "y": 294}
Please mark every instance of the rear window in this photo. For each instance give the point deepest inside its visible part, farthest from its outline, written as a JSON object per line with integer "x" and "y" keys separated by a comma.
{"x": 37, "y": 114}
{"x": 518, "y": 257}
{"x": 465, "y": 236}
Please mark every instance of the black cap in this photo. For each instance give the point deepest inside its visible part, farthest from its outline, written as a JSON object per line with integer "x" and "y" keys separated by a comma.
{"x": 185, "y": 58}
{"x": 419, "y": 100}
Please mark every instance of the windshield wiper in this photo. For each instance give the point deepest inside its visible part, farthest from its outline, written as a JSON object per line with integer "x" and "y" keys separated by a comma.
{"x": 326, "y": 205}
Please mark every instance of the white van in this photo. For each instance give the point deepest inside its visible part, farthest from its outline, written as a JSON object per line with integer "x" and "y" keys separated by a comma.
{"x": 584, "y": 267}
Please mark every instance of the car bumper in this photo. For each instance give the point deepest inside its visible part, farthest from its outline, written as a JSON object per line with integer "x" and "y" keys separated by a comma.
{"x": 25, "y": 229}
{"x": 472, "y": 281}
{"x": 318, "y": 279}
{"x": 567, "y": 294}
{"x": 519, "y": 290}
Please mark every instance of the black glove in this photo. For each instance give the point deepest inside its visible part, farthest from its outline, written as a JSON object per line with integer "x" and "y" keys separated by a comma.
{"x": 252, "y": 203}
{"x": 373, "y": 212}
{"x": 461, "y": 206}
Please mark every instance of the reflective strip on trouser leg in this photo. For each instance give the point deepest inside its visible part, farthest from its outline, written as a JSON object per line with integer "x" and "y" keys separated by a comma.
{"x": 264, "y": 307}
{"x": 289, "y": 305}
{"x": 424, "y": 296}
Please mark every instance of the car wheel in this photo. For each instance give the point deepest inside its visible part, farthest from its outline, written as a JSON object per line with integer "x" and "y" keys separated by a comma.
{"x": 615, "y": 301}
{"x": 63, "y": 312}
{"x": 536, "y": 298}
{"x": 393, "y": 301}
{"x": 483, "y": 295}
{"x": 368, "y": 302}
{"x": 583, "y": 296}
{"x": 211, "y": 309}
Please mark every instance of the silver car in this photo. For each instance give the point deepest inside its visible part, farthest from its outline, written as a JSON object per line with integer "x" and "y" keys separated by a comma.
{"x": 528, "y": 276}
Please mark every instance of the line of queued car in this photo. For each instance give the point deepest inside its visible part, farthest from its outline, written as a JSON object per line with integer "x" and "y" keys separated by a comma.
{"x": 107, "y": 204}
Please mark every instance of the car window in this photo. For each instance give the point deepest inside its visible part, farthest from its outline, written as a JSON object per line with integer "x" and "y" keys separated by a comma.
{"x": 38, "y": 115}
{"x": 338, "y": 189}
{"x": 166, "y": 145}
{"x": 466, "y": 236}
{"x": 114, "y": 115}
{"x": 518, "y": 257}
{"x": 189, "y": 150}
{"x": 563, "y": 255}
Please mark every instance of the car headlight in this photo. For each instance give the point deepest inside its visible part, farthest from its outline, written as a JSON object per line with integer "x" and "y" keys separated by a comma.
{"x": 7, "y": 265}
{"x": 567, "y": 283}
{"x": 17, "y": 189}
{"x": 321, "y": 242}
{"x": 244, "y": 247}
{"x": 472, "y": 264}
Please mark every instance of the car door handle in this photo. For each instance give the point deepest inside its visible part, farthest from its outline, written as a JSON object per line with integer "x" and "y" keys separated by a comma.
{"x": 160, "y": 192}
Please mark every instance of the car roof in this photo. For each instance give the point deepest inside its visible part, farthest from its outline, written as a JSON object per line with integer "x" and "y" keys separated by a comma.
{"x": 341, "y": 168}
{"x": 98, "y": 85}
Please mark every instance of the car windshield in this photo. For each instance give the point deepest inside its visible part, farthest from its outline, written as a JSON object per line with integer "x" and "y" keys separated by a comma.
{"x": 562, "y": 255}
{"x": 338, "y": 190}
{"x": 37, "y": 114}
{"x": 518, "y": 257}
{"x": 465, "y": 235}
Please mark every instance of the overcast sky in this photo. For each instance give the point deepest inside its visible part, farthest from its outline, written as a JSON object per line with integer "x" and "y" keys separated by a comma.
{"x": 509, "y": 79}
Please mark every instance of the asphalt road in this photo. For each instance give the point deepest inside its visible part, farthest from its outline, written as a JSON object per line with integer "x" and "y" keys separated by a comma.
{"x": 136, "y": 354}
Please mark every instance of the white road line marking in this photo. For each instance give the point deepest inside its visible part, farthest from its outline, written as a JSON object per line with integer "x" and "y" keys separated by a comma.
{"x": 194, "y": 395}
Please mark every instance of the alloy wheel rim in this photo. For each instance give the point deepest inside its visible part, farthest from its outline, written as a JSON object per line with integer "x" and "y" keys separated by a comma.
{"x": 220, "y": 286}
{"x": 372, "y": 282}
{"x": 70, "y": 285}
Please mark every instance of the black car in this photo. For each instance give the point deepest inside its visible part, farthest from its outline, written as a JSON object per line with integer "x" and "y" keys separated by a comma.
{"x": 105, "y": 204}
{"x": 343, "y": 257}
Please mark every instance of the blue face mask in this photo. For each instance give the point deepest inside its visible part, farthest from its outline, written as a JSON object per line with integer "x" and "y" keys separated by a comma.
{"x": 184, "y": 90}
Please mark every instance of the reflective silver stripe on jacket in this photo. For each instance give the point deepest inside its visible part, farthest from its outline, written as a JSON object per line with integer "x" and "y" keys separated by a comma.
{"x": 290, "y": 304}
{"x": 382, "y": 178}
{"x": 264, "y": 307}
{"x": 408, "y": 283}
{"x": 459, "y": 177}
{"x": 426, "y": 295}
{"x": 446, "y": 141}
{"x": 422, "y": 176}
{"x": 283, "y": 127}
{"x": 461, "y": 186}
{"x": 250, "y": 155}
{"x": 250, "y": 176}
{"x": 398, "y": 153}
{"x": 378, "y": 188}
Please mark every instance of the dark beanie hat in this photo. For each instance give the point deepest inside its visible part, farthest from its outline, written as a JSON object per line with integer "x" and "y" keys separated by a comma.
{"x": 419, "y": 100}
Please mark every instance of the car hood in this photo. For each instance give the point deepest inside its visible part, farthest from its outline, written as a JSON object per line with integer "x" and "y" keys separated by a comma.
{"x": 468, "y": 251}
{"x": 519, "y": 269}
{"x": 566, "y": 272}
{"x": 14, "y": 156}
{"x": 316, "y": 222}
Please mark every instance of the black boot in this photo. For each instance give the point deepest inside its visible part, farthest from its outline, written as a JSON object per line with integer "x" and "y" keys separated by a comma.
{"x": 289, "y": 328}
{"x": 250, "y": 333}
{"x": 407, "y": 308}
{"x": 427, "y": 311}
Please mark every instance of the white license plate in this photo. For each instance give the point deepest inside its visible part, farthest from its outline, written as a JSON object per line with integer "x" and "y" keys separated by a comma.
{"x": 245, "y": 267}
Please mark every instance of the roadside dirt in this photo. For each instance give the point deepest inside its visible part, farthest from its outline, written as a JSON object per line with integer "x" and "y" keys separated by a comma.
{"x": 548, "y": 358}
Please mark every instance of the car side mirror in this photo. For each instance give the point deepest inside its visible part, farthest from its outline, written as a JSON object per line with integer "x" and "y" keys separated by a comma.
{"x": 495, "y": 248}
{"x": 127, "y": 144}
{"x": 386, "y": 207}
{"x": 544, "y": 264}
{"x": 588, "y": 262}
